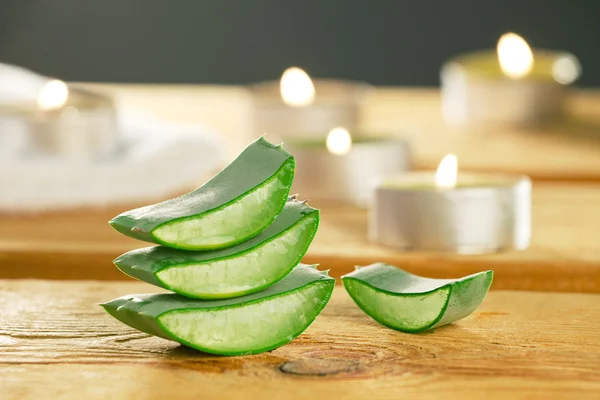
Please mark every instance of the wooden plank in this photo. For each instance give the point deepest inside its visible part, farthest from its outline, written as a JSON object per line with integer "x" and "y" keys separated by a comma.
{"x": 56, "y": 342}
{"x": 562, "y": 151}
{"x": 564, "y": 255}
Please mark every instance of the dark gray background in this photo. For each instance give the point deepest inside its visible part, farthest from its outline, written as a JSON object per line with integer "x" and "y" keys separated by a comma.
{"x": 238, "y": 41}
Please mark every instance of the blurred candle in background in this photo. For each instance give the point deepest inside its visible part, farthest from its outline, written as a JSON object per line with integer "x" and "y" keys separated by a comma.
{"x": 74, "y": 125}
{"x": 318, "y": 122}
{"x": 513, "y": 86}
{"x": 345, "y": 166}
{"x": 297, "y": 106}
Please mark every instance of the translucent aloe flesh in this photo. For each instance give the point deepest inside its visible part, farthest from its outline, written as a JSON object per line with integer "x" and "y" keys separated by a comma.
{"x": 244, "y": 268}
{"x": 235, "y": 205}
{"x": 410, "y": 303}
{"x": 248, "y": 324}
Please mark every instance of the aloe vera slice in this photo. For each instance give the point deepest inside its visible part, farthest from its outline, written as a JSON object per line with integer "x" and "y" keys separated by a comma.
{"x": 249, "y": 324}
{"x": 237, "y": 204}
{"x": 410, "y": 303}
{"x": 242, "y": 269}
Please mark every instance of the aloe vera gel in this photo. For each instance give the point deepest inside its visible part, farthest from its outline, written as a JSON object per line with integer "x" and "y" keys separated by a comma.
{"x": 243, "y": 325}
{"x": 241, "y": 269}
{"x": 235, "y": 205}
{"x": 410, "y": 303}
{"x": 230, "y": 251}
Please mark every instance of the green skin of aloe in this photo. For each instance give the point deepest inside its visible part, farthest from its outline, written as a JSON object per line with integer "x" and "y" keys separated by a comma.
{"x": 248, "y": 324}
{"x": 410, "y": 303}
{"x": 235, "y": 271}
{"x": 234, "y": 206}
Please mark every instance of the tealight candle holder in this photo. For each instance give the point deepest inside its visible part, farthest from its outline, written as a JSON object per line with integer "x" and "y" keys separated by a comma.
{"x": 346, "y": 168}
{"x": 67, "y": 123}
{"x": 300, "y": 107}
{"x": 73, "y": 124}
{"x": 514, "y": 86}
{"x": 473, "y": 214}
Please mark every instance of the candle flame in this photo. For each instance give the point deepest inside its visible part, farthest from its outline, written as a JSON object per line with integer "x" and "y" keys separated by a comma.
{"x": 445, "y": 176}
{"x": 296, "y": 87}
{"x": 53, "y": 95}
{"x": 339, "y": 141}
{"x": 515, "y": 56}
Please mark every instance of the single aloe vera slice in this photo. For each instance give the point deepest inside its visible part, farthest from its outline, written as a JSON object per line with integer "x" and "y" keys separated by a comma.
{"x": 249, "y": 324}
{"x": 242, "y": 269}
{"x": 411, "y": 303}
{"x": 235, "y": 205}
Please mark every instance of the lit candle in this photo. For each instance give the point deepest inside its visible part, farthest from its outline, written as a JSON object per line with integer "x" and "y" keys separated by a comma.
{"x": 73, "y": 124}
{"x": 345, "y": 168}
{"x": 53, "y": 96}
{"x": 296, "y": 88}
{"x": 451, "y": 212}
{"x": 298, "y": 106}
{"x": 513, "y": 85}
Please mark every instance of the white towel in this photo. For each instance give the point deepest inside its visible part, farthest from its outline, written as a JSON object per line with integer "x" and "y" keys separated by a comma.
{"x": 154, "y": 159}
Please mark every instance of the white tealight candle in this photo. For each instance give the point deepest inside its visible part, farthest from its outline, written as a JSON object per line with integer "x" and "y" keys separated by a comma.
{"x": 450, "y": 212}
{"x": 343, "y": 168}
{"x": 297, "y": 106}
{"x": 73, "y": 124}
{"x": 513, "y": 86}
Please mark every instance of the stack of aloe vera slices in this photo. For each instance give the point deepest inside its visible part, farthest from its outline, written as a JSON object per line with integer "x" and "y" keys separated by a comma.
{"x": 230, "y": 252}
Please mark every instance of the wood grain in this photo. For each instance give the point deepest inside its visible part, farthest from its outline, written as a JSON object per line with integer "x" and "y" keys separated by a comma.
{"x": 56, "y": 342}
{"x": 564, "y": 255}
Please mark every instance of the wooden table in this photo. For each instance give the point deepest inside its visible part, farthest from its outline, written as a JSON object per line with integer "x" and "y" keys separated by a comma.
{"x": 564, "y": 254}
{"x": 56, "y": 342}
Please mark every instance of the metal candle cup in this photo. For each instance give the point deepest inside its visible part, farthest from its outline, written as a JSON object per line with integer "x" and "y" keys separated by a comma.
{"x": 481, "y": 214}
{"x": 348, "y": 177}
{"x": 523, "y": 88}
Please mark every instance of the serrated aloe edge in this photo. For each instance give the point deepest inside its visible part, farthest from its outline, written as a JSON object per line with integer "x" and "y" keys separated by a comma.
{"x": 242, "y": 269}
{"x": 410, "y": 303}
{"x": 237, "y": 204}
{"x": 248, "y": 324}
